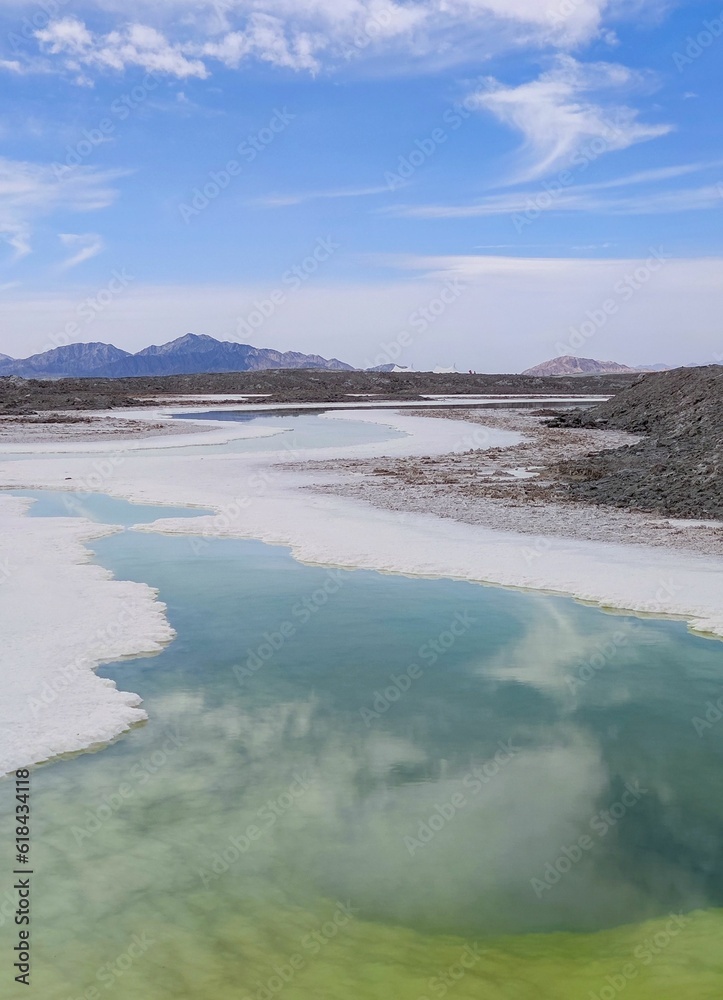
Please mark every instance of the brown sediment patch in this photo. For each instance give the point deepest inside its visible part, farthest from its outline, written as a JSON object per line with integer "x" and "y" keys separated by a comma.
{"x": 522, "y": 488}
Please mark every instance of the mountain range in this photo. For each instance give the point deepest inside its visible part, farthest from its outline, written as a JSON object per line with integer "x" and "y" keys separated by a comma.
{"x": 199, "y": 354}
{"x": 568, "y": 365}
{"x": 190, "y": 355}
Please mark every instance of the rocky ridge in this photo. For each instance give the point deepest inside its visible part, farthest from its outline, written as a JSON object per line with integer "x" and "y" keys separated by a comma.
{"x": 677, "y": 467}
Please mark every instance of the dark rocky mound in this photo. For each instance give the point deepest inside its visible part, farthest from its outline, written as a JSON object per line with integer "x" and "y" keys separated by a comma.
{"x": 677, "y": 469}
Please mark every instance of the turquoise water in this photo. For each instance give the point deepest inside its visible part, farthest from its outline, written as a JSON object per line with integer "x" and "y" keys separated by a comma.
{"x": 336, "y": 796}
{"x": 300, "y": 432}
{"x": 100, "y": 508}
{"x": 306, "y": 431}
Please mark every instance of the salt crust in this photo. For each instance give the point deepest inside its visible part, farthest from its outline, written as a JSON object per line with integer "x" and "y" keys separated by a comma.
{"x": 63, "y": 616}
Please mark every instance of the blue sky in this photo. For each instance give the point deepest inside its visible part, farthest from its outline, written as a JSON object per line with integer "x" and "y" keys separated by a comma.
{"x": 481, "y": 182}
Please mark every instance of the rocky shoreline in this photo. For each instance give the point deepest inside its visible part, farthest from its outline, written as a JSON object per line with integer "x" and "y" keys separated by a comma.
{"x": 630, "y": 469}
{"x": 523, "y": 489}
{"x": 676, "y": 468}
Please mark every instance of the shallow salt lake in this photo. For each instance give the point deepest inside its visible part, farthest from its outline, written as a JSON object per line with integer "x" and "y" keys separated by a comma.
{"x": 99, "y": 508}
{"x": 361, "y": 786}
{"x": 294, "y": 432}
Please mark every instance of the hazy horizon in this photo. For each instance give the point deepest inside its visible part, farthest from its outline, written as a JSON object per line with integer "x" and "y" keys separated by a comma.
{"x": 479, "y": 183}
{"x": 408, "y": 364}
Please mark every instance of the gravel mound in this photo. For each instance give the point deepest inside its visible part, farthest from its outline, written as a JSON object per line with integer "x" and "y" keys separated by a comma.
{"x": 677, "y": 469}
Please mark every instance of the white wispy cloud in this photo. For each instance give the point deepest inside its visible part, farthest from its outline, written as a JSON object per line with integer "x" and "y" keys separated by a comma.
{"x": 299, "y": 198}
{"x": 29, "y": 191}
{"x": 266, "y": 38}
{"x": 130, "y": 45}
{"x": 84, "y": 247}
{"x": 587, "y": 197}
{"x": 656, "y": 174}
{"x": 183, "y": 37}
{"x": 478, "y": 266}
{"x": 661, "y": 203}
{"x": 564, "y": 111}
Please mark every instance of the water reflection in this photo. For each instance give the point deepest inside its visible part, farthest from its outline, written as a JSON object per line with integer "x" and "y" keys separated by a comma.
{"x": 516, "y": 741}
{"x": 515, "y": 785}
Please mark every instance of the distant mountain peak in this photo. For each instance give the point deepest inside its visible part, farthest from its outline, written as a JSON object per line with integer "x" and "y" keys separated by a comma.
{"x": 88, "y": 359}
{"x": 188, "y": 342}
{"x": 191, "y": 354}
{"x": 569, "y": 365}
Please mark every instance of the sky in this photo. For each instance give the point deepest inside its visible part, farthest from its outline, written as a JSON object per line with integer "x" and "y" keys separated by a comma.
{"x": 479, "y": 183}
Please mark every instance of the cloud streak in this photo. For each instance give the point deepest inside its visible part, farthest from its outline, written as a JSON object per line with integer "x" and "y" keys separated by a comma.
{"x": 563, "y": 111}
{"x": 30, "y": 191}
{"x": 300, "y": 198}
{"x": 85, "y": 245}
{"x": 592, "y": 198}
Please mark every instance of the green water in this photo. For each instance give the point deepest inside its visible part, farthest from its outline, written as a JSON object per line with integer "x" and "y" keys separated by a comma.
{"x": 328, "y": 819}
